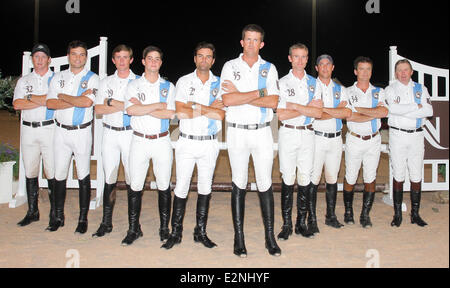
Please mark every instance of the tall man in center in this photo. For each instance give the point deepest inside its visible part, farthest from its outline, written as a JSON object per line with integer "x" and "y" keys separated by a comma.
{"x": 150, "y": 100}
{"x": 201, "y": 115}
{"x": 250, "y": 90}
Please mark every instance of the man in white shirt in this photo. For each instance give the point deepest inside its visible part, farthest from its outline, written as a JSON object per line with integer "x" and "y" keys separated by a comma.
{"x": 116, "y": 130}
{"x": 250, "y": 91}
{"x": 409, "y": 105}
{"x": 150, "y": 100}
{"x": 363, "y": 139}
{"x": 200, "y": 114}
{"x": 72, "y": 93}
{"x": 328, "y": 141}
{"x": 37, "y": 130}
{"x": 296, "y": 110}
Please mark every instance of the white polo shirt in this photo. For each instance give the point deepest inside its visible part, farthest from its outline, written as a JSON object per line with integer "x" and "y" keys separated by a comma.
{"x": 114, "y": 87}
{"x": 68, "y": 83}
{"x": 35, "y": 84}
{"x": 245, "y": 78}
{"x": 403, "y": 109}
{"x": 150, "y": 93}
{"x": 369, "y": 99}
{"x": 190, "y": 88}
{"x": 295, "y": 90}
{"x": 326, "y": 93}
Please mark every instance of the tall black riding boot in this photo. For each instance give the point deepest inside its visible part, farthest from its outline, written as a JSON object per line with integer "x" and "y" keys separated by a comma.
{"x": 237, "y": 211}
{"x": 267, "y": 210}
{"x": 32, "y": 215}
{"x": 312, "y": 217}
{"x": 84, "y": 201}
{"x": 179, "y": 208}
{"x": 202, "y": 219}
{"x": 302, "y": 211}
{"x": 51, "y": 197}
{"x": 59, "y": 198}
{"x": 364, "y": 219}
{"x": 109, "y": 200}
{"x": 331, "y": 195}
{"x": 348, "y": 203}
{"x": 397, "y": 195}
{"x": 134, "y": 212}
{"x": 164, "y": 203}
{"x": 287, "y": 200}
{"x": 415, "y": 204}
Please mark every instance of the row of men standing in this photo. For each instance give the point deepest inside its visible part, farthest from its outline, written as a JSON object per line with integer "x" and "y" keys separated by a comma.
{"x": 137, "y": 110}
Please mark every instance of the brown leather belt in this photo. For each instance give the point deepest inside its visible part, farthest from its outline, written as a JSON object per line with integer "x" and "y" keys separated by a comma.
{"x": 117, "y": 128}
{"x": 366, "y": 137}
{"x": 73, "y": 127}
{"x": 154, "y": 136}
{"x": 328, "y": 135}
{"x": 309, "y": 127}
{"x": 38, "y": 124}
{"x": 406, "y": 130}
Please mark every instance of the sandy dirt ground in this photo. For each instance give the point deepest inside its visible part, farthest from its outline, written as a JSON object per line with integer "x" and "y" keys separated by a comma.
{"x": 351, "y": 246}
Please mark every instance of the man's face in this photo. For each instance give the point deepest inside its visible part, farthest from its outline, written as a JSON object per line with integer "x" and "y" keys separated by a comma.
{"x": 252, "y": 43}
{"x": 298, "y": 59}
{"x": 403, "y": 73}
{"x": 325, "y": 68}
{"x": 152, "y": 61}
{"x": 122, "y": 60}
{"x": 40, "y": 61}
{"x": 77, "y": 57}
{"x": 204, "y": 59}
{"x": 363, "y": 71}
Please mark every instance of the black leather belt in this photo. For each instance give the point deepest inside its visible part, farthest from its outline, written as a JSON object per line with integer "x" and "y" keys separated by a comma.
{"x": 406, "y": 130}
{"x": 309, "y": 127}
{"x": 154, "y": 136}
{"x": 248, "y": 126}
{"x": 328, "y": 135}
{"x": 38, "y": 124}
{"x": 74, "y": 127}
{"x": 117, "y": 128}
{"x": 367, "y": 137}
{"x": 193, "y": 137}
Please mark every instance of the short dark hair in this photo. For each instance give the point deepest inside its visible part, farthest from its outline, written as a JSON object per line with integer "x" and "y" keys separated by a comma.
{"x": 122, "y": 47}
{"x": 151, "y": 48}
{"x": 207, "y": 45}
{"x": 76, "y": 44}
{"x": 362, "y": 59}
{"x": 253, "y": 28}
{"x": 403, "y": 61}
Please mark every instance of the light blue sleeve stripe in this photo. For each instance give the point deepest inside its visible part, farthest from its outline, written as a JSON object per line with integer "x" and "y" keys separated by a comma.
{"x": 212, "y": 126}
{"x": 164, "y": 86}
{"x": 78, "y": 112}
{"x": 262, "y": 79}
{"x": 337, "y": 89}
{"x": 373, "y": 122}
{"x": 311, "y": 81}
{"x": 418, "y": 91}
{"x": 50, "y": 113}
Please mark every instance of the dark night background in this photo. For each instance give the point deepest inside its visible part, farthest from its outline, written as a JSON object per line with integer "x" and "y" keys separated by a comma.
{"x": 344, "y": 30}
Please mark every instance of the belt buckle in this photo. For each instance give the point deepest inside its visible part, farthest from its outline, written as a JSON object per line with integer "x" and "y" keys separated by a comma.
{"x": 35, "y": 124}
{"x": 252, "y": 126}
